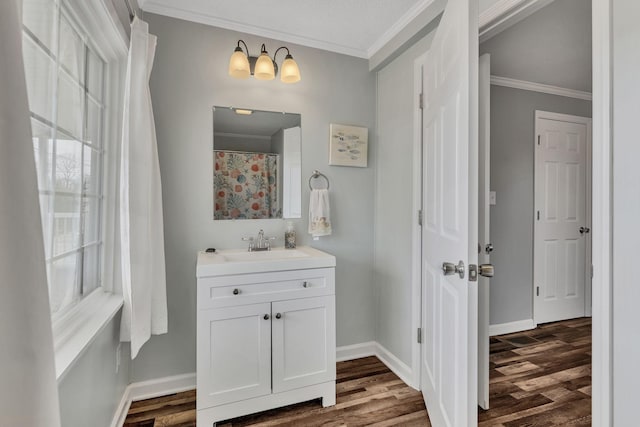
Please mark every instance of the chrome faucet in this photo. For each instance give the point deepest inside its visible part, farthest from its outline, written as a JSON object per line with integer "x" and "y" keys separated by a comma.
{"x": 262, "y": 244}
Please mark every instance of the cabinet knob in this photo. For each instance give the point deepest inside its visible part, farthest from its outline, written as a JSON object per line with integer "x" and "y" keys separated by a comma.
{"x": 306, "y": 284}
{"x": 266, "y": 317}
{"x": 236, "y": 291}
{"x": 278, "y": 315}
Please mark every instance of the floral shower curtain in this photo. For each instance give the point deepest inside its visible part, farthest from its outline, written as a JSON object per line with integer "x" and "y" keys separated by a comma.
{"x": 245, "y": 185}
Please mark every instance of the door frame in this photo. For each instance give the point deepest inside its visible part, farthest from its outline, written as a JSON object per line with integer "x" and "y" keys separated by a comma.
{"x": 588, "y": 122}
{"x": 601, "y": 197}
{"x": 416, "y": 240}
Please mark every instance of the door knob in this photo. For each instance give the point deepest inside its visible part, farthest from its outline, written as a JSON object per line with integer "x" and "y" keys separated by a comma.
{"x": 485, "y": 270}
{"x": 266, "y": 317}
{"x": 488, "y": 248}
{"x": 449, "y": 269}
{"x": 278, "y": 315}
{"x": 584, "y": 230}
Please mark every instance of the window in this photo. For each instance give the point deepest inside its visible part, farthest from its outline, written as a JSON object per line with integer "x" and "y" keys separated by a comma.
{"x": 66, "y": 85}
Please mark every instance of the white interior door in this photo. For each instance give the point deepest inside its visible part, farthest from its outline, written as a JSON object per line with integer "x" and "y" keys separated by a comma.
{"x": 561, "y": 254}
{"x": 484, "y": 239}
{"x": 450, "y": 137}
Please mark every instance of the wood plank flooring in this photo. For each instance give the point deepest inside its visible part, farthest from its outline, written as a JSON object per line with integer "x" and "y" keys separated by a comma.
{"x": 538, "y": 378}
{"x": 541, "y": 377}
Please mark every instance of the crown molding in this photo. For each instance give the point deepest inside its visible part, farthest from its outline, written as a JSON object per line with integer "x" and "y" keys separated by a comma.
{"x": 188, "y": 15}
{"x": 541, "y": 88}
{"x": 398, "y": 26}
{"x": 505, "y": 13}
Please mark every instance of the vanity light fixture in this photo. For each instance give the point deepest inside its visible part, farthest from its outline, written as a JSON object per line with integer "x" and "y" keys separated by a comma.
{"x": 242, "y": 65}
{"x": 243, "y": 112}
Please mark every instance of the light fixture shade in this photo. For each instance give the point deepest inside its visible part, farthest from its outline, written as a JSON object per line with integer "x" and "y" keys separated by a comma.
{"x": 289, "y": 72}
{"x": 239, "y": 65}
{"x": 264, "y": 68}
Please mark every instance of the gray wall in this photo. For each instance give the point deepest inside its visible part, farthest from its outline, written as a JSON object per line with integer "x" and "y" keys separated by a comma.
{"x": 512, "y": 161}
{"x": 552, "y": 46}
{"x": 189, "y": 77}
{"x": 91, "y": 391}
{"x": 394, "y": 215}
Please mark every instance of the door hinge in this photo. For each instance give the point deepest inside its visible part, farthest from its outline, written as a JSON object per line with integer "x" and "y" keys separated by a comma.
{"x": 538, "y": 139}
{"x": 421, "y": 101}
{"x": 592, "y": 271}
{"x": 420, "y": 217}
{"x": 537, "y": 291}
{"x": 419, "y": 335}
{"x": 538, "y": 215}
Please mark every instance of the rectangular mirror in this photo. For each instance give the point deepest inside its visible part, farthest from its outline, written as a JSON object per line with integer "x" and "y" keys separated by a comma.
{"x": 257, "y": 164}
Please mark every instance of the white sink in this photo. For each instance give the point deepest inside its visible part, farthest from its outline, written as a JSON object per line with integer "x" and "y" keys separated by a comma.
{"x": 274, "y": 254}
{"x": 239, "y": 261}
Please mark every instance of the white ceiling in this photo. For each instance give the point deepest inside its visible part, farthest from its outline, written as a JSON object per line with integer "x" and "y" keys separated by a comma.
{"x": 352, "y": 27}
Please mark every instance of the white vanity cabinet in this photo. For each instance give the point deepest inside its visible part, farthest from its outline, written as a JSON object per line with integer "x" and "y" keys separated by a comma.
{"x": 264, "y": 340}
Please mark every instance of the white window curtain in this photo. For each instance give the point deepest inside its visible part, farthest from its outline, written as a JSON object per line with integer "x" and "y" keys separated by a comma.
{"x": 141, "y": 225}
{"x": 28, "y": 390}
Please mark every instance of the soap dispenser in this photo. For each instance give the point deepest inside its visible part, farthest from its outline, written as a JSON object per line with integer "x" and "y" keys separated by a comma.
{"x": 290, "y": 236}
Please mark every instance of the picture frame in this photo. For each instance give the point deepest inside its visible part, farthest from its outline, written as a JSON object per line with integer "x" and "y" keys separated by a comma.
{"x": 348, "y": 145}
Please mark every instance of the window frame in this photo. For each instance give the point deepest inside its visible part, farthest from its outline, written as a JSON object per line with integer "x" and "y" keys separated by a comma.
{"x": 76, "y": 326}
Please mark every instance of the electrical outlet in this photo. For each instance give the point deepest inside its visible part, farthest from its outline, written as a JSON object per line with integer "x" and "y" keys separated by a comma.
{"x": 118, "y": 355}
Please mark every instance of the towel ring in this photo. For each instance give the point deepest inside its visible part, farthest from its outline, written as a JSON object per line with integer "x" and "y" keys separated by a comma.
{"x": 318, "y": 174}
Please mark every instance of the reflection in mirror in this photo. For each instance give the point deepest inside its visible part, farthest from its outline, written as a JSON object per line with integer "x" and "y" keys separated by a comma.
{"x": 257, "y": 164}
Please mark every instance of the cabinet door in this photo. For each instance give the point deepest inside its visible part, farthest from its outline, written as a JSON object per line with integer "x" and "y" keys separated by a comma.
{"x": 234, "y": 354}
{"x": 303, "y": 342}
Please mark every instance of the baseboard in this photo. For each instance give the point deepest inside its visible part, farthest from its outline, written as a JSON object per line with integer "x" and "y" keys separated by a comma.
{"x": 397, "y": 366}
{"x": 150, "y": 389}
{"x": 122, "y": 410}
{"x": 356, "y": 351}
{"x": 511, "y": 327}
{"x": 175, "y": 384}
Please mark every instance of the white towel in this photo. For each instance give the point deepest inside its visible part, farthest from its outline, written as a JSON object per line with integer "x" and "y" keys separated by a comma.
{"x": 319, "y": 213}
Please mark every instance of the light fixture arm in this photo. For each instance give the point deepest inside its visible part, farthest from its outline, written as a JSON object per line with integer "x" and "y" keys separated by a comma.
{"x": 245, "y": 47}
{"x": 278, "y": 50}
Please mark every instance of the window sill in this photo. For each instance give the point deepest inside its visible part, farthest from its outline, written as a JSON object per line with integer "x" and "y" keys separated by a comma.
{"x": 73, "y": 332}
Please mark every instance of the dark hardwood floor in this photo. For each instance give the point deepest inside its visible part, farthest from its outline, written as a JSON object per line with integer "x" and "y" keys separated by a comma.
{"x": 538, "y": 378}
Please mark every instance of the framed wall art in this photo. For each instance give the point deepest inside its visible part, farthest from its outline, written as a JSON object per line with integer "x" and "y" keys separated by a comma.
{"x": 348, "y": 145}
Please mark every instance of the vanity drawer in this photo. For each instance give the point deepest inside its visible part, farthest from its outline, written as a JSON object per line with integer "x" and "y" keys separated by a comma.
{"x": 225, "y": 291}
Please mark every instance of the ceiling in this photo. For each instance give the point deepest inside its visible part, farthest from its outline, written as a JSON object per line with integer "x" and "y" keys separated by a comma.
{"x": 352, "y": 27}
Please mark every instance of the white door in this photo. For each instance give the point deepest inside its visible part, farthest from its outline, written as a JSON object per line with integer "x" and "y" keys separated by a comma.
{"x": 484, "y": 240}
{"x": 234, "y": 362}
{"x": 450, "y": 136}
{"x": 562, "y": 225}
{"x": 304, "y": 342}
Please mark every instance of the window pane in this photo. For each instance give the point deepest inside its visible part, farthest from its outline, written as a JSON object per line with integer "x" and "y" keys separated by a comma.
{"x": 95, "y": 68}
{"x": 40, "y": 17}
{"x": 68, "y": 165}
{"x": 70, "y": 105}
{"x": 40, "y": 72}
{"x": 43, "y": 152}
{"x": 91, "y": 171}
{"x": 91, "y": 269}
{"x": 94, "y": 124}
{"x": 91, "y": 224}
{"x": 71, "y": 50}
{"x": 63, "y": 282}
{"x": 66, "y": 224}
{"x": 46, "y": 210}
